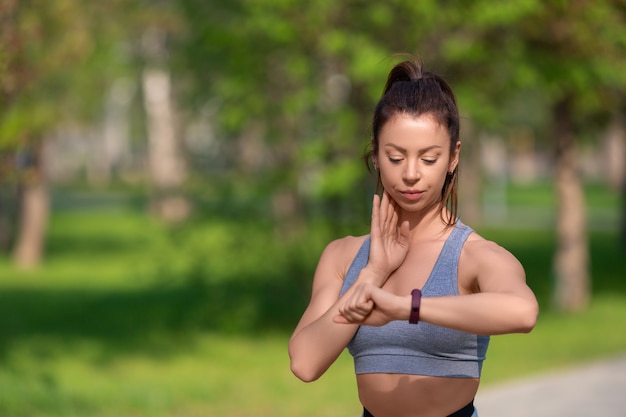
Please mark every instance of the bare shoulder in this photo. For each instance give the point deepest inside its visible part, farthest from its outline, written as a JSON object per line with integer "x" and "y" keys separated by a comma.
{"x": 339, "y": 253}
{"x": 331, "y": 269}
{"x": 485, "y": 260}
{"x": 479, "y": 248}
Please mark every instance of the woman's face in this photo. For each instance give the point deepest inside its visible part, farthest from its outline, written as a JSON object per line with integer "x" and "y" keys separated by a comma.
{"x": 413, "y": 159}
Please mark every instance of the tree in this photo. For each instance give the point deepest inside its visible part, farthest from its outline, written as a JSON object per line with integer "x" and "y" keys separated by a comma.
{"x": 555, "y": 65}
{"x": 283, "y": 105}
{"x": 32, "y": 56}
{"x": 39, "y": 91}
{"x": 570, "y": 56}
{"x": 305, "y": 92}
{"x": 166, "y": 163}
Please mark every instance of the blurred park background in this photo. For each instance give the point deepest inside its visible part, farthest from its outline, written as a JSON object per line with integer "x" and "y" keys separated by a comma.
{"x": 170, "y": 171}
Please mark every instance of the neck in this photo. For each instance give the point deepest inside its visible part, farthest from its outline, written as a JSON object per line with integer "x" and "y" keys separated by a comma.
{"x": 426, "y": 225}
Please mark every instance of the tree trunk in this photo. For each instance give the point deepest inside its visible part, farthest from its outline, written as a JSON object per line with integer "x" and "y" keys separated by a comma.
{"x": 113, "y": 149}
{"x": 623, "y": 228}
{"x": 571, "y": 261}
{"x": 470, "y": 176}
{"x": 8, "y": 203}
{"x": 615, "y": 152}
{"x": 166, "y": 165}
{"x": 615, "y": 157}
{"x": 33, "y": 214}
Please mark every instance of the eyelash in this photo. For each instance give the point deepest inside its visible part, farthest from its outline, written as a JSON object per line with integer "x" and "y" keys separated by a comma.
{"x": 426, "y": 161}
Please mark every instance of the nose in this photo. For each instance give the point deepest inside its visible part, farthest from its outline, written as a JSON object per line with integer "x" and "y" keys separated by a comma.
{"x": 411, "y": 172}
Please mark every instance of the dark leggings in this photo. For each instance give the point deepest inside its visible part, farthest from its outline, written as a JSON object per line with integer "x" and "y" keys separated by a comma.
{"x": 466, "y": 411}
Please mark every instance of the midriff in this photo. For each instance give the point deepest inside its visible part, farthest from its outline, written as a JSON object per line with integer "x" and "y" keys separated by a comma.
{"x": 402, "y": 395}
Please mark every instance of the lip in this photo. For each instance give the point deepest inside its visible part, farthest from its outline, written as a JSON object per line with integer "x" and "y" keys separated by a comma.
{"x": 412, "y": 194}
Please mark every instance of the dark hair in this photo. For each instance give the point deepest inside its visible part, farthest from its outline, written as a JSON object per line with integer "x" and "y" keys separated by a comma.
{"x": 413, "y": 91}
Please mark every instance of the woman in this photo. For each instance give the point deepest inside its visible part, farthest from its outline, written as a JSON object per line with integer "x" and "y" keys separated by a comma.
{"x": 416, "y": 300}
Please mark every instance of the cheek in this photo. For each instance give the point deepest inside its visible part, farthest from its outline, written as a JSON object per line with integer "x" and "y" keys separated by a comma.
{"x": 387, "y": 178}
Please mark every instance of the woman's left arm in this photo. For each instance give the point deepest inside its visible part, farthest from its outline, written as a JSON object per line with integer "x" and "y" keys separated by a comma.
{"x": 497, "y": 299}
{"x": 494, "y": 297}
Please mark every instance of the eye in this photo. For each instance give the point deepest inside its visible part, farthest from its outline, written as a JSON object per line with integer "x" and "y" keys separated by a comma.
{"x": 428, "y": 161}
{"x": 395, "y": 159}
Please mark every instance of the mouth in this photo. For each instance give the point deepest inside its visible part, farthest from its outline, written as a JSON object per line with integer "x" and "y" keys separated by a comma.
{"x": 412, "y": 194}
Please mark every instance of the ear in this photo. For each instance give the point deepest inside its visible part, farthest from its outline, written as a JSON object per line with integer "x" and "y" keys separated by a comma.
{"x": 374, "y": 154}
{"x": 454, "y": 157}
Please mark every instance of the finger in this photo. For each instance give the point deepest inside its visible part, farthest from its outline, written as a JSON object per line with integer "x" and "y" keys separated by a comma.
{"x": 341, "y": 319}
{"x": 357, "y": 310}
{"x": 393, "y": 223}
{"x": 355, "y": 317}
{"x": 403, "y": 232}
{"x": 363, "y": 308}
{"x": 392, "y": 215}
{"x": 348, "y": 319}
{"x": 348, "y": 316}
{"x": 358, "y": 307}
{"x": 375, "y": 214}
{"x": 386, "y": 212}
{"x": 383, "y": 211}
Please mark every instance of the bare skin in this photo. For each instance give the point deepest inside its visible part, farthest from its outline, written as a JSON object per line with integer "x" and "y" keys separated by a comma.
{"x": 406, "y": 236}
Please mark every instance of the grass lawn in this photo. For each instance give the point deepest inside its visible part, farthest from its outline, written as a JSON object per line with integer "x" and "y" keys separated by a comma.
{"x": 129, "y": 319}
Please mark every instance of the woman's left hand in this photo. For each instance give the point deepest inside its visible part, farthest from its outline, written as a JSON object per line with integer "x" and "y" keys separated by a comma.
{"x": 373, "y": 306}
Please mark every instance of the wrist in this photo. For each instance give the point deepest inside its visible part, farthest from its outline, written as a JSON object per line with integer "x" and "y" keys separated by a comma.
{"x": 404, "y": 313}
{"x": 416, "y": 302}
{"x": 373, "y": 276}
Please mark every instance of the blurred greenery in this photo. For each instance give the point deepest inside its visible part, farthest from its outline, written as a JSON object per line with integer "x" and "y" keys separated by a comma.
{"x": 128, "y": 317}
{"x": 131, "y": 316}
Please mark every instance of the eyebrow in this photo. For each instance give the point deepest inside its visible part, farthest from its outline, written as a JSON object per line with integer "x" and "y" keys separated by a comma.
{"x": 420, "y": 152}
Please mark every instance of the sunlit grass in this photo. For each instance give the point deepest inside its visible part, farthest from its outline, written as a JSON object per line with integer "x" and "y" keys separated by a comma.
{"x": 211, "y": 374}
{"x": 206, "y": 375}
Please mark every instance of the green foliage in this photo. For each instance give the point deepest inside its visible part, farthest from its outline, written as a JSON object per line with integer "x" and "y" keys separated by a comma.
{"x": 508, "y": 62}
{"x": 298, "y": 74}
{"x": 57, "y": 62}
{"x": 19, "y": 115}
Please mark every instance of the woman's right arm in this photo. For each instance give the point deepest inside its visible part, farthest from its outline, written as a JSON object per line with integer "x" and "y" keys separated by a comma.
{"x": 317, "y": 340}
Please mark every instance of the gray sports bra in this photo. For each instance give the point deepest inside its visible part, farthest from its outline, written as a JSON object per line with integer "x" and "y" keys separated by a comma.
{"x": 422, "y": 349}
